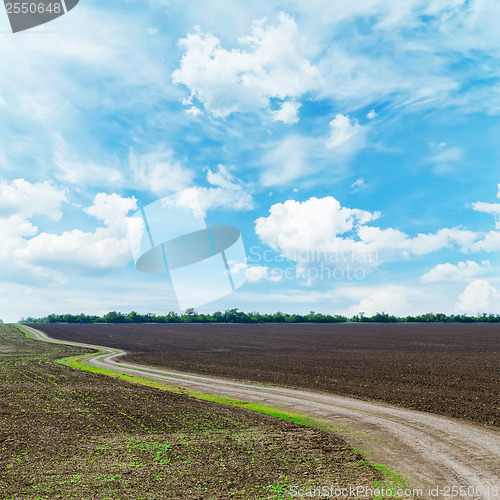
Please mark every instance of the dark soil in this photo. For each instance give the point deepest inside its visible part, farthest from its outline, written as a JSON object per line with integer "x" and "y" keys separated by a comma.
{"x": 67, "y": 434}
{"x": 450, "y": 369}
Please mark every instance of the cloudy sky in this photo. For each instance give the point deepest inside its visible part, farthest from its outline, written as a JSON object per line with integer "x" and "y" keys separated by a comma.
{"x": 354, "y": 144}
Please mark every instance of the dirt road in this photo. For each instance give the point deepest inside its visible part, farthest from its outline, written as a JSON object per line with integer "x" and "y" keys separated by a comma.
{"x": 453, "y": 458}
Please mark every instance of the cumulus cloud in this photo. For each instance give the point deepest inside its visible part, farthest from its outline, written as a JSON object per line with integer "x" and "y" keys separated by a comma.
{"x": 25, "y": 199}
{"x": 287, "y": 113}
{"x": 449, "y": 272}
{"x": 14, "y": 229}
{"x": 111, "y": 208}
{"x": 489, "y": 208}
{"x": 490, "y": 242}
{"x": 322, "y": 224}
{"x": 477, "y": 298}
{"x": 320, "y": 230}
{"x": 194, "y": 111}
{"x": 77, "y": 251}
{"x": 310, "y": 225}
{"x": 24, "y": 249}
{"x": 345, "y": 134}
{"x": 443, "y": 238}
{"x": 261, "y": 273}
{"x": 229, "y": 81}
{"x": 19, "y": 201}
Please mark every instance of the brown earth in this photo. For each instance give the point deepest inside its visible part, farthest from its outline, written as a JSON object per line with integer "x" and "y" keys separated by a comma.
{"x": 71, "y": 434}
{"x": 449, "y": 369}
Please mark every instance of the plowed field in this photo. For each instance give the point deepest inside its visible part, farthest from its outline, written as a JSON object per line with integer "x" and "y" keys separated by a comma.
{"x": 449, "y": 369}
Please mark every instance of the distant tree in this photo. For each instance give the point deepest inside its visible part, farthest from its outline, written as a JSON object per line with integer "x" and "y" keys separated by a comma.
{"x": 189, "y": 315}
{"x": 133, "y": 317}
{"x": 236, "y": 316}
{"x": 217, "y": 317}
{"x": 114, "y": 317}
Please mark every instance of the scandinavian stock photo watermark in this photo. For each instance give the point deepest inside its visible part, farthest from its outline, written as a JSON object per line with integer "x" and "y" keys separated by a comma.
{"x": 310, "y": 265}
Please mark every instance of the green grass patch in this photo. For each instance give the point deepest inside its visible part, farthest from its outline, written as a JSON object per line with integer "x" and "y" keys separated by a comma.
{"x": 26, "y": 332}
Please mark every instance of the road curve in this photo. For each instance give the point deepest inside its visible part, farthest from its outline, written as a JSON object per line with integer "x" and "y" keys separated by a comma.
{"x": 432, "y": 451}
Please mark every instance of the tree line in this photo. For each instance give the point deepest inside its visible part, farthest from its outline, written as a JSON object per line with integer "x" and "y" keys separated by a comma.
{"x": 237, "y": 316}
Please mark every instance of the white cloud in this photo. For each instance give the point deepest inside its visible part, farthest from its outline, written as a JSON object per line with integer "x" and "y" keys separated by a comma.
{"x": 392, "y": 299}
{"x": 477, "y": 298}
{"x": 449, "y": 272}
{"x": 25, "y": 199}
{"x": 287, "y": 113}
{"x": 229, "y": 81}
{"x": 19, "y": 201}
{"x": 28, "y": 253}
{"x": 345, "y": 133}
{"x": 358, "y": 184}
{"x": 490, "y": 242}
{"x": 372, "y": 114}
{"x": 443, "y": 238}
{"x": 194, "y": 111}
{"x": 257, "y": 273}
{"x": 260, "y": 273}
{"x": 322, "y": 231}
{"x": 77, "y": 251}
{"x": 308, "y": 226}
{"x": 489, "y": 208}
{"x": 13, "y": 229}
{"x": 159, "y": 172}
{"x": 111, "y": 208}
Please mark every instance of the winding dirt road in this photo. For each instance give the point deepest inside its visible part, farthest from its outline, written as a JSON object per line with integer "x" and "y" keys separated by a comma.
{"x": 433, "y": 451}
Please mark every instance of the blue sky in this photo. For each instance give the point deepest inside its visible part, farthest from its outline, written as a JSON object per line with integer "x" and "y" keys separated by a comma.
{"x": 354, "y": 146}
